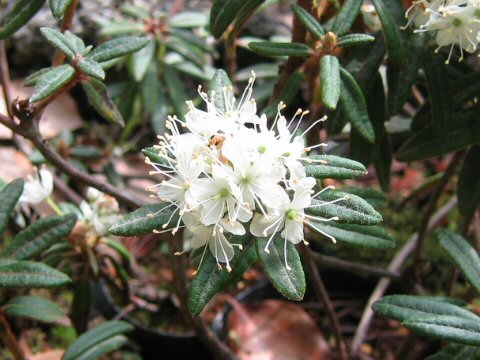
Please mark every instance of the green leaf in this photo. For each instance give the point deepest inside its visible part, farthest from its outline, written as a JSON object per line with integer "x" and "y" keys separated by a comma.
{"x": 351, "y": 209}
{"x": 154, "y": 155}
{"x": 369, "y": 237}
{"x": 52, "y": 81}
{"x": 354, "y": 39}
{"x": 223, "y": 13}
{"x": 34, "y": 307}
{"x": 374, "y": 197}
{"x": 270, "y": 48}
{"x": 29, "y": 274}
{"x": 355, "y": 106}
{"x": 444, "y": 327}
{"x": 188, "y": 19}
{"x": 440, "y": 95}
{"x": 383, "y": 162}
{"x": 144, "y": 220}
{"x": 176, "y": 90}
{"x": 406, "y": 307}
{"x": 98, "y": 97}
{"x": 32, "y": 79}
{"x": 81, "y": 304}
{"x": 59, "y": 7}
{"x": 141, "y": 60}
{"x": 60, "y": 41}
{"x": 346, "y": 16}
{"x": 330, "y": 81}
{"x": 8, "y": 200}
{"x": 39, "y": 236}
{"x": 462, "y": 254}
{"x": 91, "y": 68}
{"x": 246, "y": 11}
{"x": 455, "y": 352}
{"x": 395, "y": 45}
{"x": 210, "y": 280}
{"x": 289, "y": 282}
{"x": 468, "y": 188}
{"x": 118, "y": 47}
{"x": 287, "y": 95}
{"x": 310, "y": 23}
{"x": 219, "y": 81}
{"x": 21, "y": 13}
{"x": 333, "y": 167}
{"x": 98, "y": 341}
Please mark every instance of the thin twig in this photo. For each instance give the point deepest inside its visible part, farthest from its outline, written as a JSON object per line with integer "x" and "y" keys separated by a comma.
{"x": 5, "y": 79}
{"x": 67, "y": 24}
{"x": 204, "y": 332}
{"x": 9, "y": 340}
{"x": 322, "y": 294}
{"x": 395, "y": 265}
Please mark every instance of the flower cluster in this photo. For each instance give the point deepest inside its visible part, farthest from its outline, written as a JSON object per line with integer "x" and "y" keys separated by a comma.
{"x": 37, "y": 187}
{"x": 228, "y": 169}
{"x": 455, "y": 22}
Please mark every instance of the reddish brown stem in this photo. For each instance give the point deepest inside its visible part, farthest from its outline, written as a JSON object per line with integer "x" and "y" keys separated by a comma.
{"x": 5, "y": 79}
{"x": 9, "y": 339}
{"x": 67, "y": 24}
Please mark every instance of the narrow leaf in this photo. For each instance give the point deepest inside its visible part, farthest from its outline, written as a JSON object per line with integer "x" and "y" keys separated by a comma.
{"x": 223, "y": 14}
{"x": 219, "y": 82}
{"x": 383, "y": 162}
{"x": 32, "y": 79}
{"x": 29, "y": 274}
{"x": 455, "y": 352}
{"x": 21, "y": 13}
{"x": 347, "y": 15}
{"x": 468, "y": 188}
{"x": 176, "y": 90}
{"x": 52, "y": 81}
{"x": 330, "y": 80}
{"x": 144, "y": 220}
{"x": 59, "y": 41}
{"x": 462, "y": 254}
{"x": 118, "y": 47}
{"x": 34, "y": 307}
{"x": 354, "y": 39}
{"x": 289, "y": 281}
{"x": 91, "y": 68}
{"x": 39, "y": 236}
{"x": 333, "y": 167}
{"x": 81, "y": 304}
{"x": 59, "y": 7}
{"x": 84, "y": 344}
{"x": 374, "y": 197}
{"x": 269, "y": 48}
{"x": 98, "y": 97}
{"x": 309, "y": 21}
{"x": 8, "y": 200}
{"x": 141, "y": 60}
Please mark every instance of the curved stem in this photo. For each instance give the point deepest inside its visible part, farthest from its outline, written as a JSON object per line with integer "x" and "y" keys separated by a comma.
{"x": 9, "y": 339}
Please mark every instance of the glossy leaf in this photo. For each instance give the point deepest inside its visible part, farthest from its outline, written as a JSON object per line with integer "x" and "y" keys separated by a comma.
{"x": 59, "y": 41}
{"x": 9, "y": 197}
{"x": 98, "y": 341}
{"x": 330, "y": 80}
{"x": 144, "y": 220}
{"x": 334, "y": 167}
{"x": 354, "y": 39}
{"x": 369, "y": 237}
{"x": 219, "y": 82}
{"x": 289, "y": 282}
{"x": 59, "y": 7}
{"x": 21, "y": 13}
{"x": 118, "y": 47}
{"x": 52, "y": 81}
{"x": 223, "y": 13}
{"x": 468, "y": 188}
{"x": 346, "y": 16}
{"x": 312, "y": 24}
{"x": 29, "y": 274}
{"x": 34, "y": 307}
{"x": 444, "y": 327}
{"x": 269, "y": 48}
{"x": 455, "y": 352}
{"x": 210, "y": 280}
{"x": 352, "y": 209}
{"x": 98, "y": 97}
{"x": 91, "y": 68}
{"x": 39, "y": 236}
{"x": 355, "y": 106}
{"x": 462, "y": 254}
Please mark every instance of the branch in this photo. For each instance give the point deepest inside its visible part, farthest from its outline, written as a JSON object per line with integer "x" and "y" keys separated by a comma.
{"x": 67, "y": 24}
{"x": 5, "y": 79}
{"x": 9, "y": 339}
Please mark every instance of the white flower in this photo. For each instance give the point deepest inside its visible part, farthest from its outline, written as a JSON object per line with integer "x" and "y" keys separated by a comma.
{"x": 100, "y": 212}
{"x": 38, "y": 187}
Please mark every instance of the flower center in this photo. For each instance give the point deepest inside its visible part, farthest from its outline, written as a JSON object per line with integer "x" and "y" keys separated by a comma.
{"x": 224, "y": 192}
{"x": 456, "y": 22}
{"x": 287, "y": 154}
{"x": 245, "y": 179}
{"x": 262, "y": 149}
{"x": 292, "y": 214}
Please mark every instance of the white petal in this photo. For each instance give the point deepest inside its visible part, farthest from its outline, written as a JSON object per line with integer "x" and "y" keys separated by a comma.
{"x": 212, "y": 211}
{"x": 201, "y": 236}
{"x": 235, "y": 227}
{"x": 293, "y": 231}
{"x": 263, "y": 225}
{"x": 221, "y": 249}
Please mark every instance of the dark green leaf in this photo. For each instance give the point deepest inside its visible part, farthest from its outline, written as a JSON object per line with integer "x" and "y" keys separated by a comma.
{"x": 309, "y": 21}
{"x": 383, "y": 162}
{"x": 176, "y": 90}
{"x": 369, "y": 237}
{"x": 105, "y": 336}
{"x": 52, "y": 81}
{"x": 91, "y": 68}
{"x": 347, "y": 15}
{"x": 29, "y": 274}
{"x": 8, "y": 200}
{"x": 223, "y": 13}
{"x": 39, "y": 236}
{"x": 351, "y": 209}
{"x": 60, "y": 41}
{"x": 374, "y": 197}
{"x": 140, "y": 61}
{"x": 355, "y": 106}
{"x": 21, "y": 13}
{"x": 144, "y": 220}
{"x": 246, "y": 11}
{"x": 98, "y": 97}
{"x": 210, "y": 280}
{"x": 285, "y": 272}
{"x": 330, "y": 80}
{"x": 81, "y": 304}
{"x": 118, "y": 47}
{"x": 334, "y": 167}
{"x": 455, "y": 352}
{"x": 354, "y": 39}
{"x": 59, "y": 7}
{"x": 444, "y": 327}
{"x": 269, "y": 48}
{"x": 468, "y": 188}
{"x": 34, "y": 307}
{"x": 219, "y": 82}
{"x": 462, "y": 254}
{"x": 32, "y": 79}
